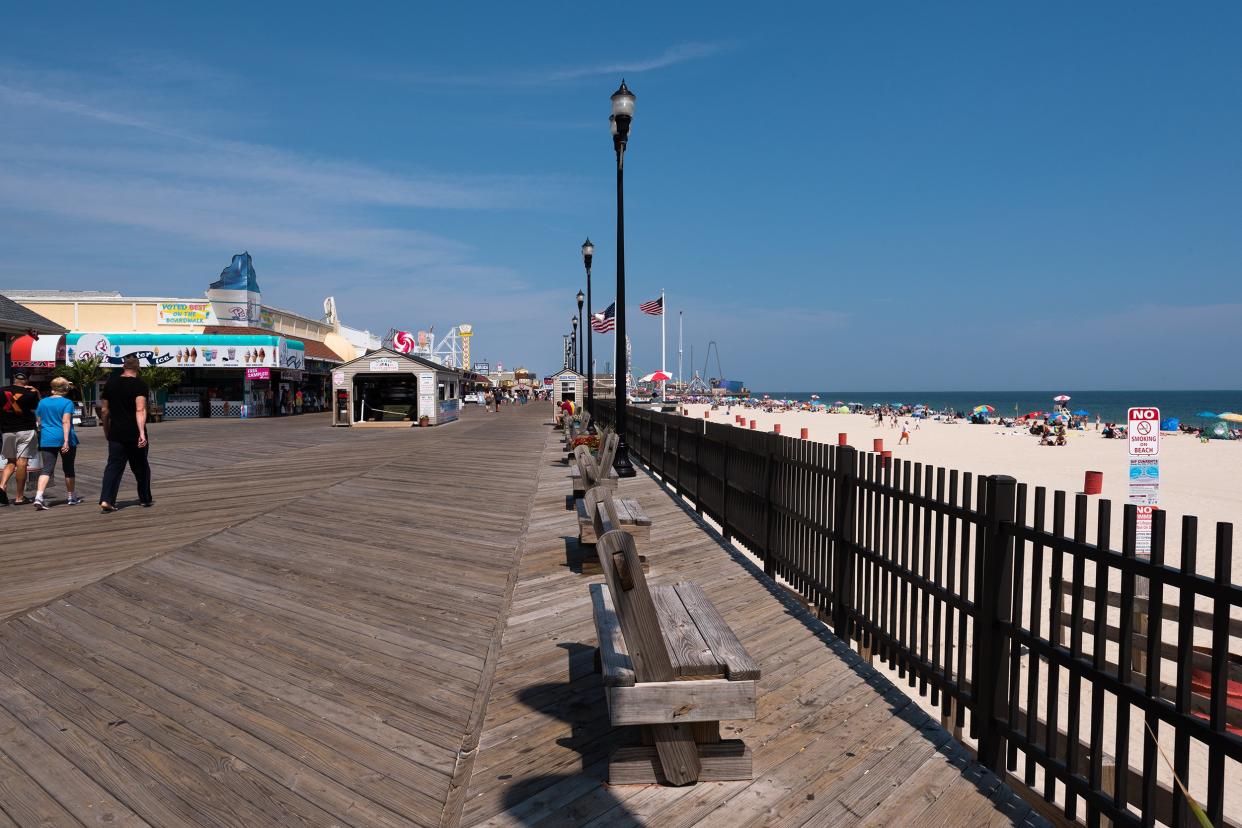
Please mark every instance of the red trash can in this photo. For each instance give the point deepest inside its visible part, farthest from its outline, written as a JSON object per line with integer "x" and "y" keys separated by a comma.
{"x": 842, "y": 439}
{"x": 804, "y": 433}
{"x": 777, "y": 428}
{"x": 1093, "y": 483}
{"x": 877, "y": 445}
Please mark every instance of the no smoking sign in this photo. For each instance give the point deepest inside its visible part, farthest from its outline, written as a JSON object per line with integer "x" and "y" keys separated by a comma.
{"x": 1143, "y": 432}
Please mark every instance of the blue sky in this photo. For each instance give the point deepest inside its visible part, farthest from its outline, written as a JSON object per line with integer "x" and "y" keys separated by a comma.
{"x": 986, "y": 195}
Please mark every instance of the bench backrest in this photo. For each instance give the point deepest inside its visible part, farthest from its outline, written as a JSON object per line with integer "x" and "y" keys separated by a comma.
{"x": 607, "y": 453}
{"x": 593, "y": 499}
{"x": 636, "y": 613}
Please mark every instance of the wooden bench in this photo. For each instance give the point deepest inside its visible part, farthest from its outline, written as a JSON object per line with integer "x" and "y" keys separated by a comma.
{"x": 599, "y": 512}
{"x": 672, "y": 666}
{"x": 587, "y": 472}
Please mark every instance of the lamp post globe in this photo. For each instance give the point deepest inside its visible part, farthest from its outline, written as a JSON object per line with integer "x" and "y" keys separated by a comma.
{"x": 588, "y": 253}
{"x": 620, "y": 119}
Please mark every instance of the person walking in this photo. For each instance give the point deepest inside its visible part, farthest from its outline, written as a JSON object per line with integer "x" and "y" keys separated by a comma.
{"x": 57, "y": 438}
{"x": 905, "y": 433}
{"x": 123, "y": 415}
{"x": 18, "y": 441}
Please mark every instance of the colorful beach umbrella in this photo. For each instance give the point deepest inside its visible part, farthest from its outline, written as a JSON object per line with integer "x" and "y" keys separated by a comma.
{"x": 656, "y": 376}
{"x": 815, "y": 396}
{"x": 1205, "y": 414}
{"x": 1061, "y": 398}
{"x": 983, "y": 409}
{"x": 1082, "y": 412}
{"x": 1231, "y": 417}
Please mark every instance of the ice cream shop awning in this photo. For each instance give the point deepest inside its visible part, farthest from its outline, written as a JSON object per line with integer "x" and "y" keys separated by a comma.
{"x": 46, "y": 351}
{"x": 191, "y": 350}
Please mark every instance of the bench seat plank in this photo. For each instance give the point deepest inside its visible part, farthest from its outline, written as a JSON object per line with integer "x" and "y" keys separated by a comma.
{"x": 690, "y": 654}
{"x": 739, "y": 665}
{"x": 681, "y": 702}
{"x": 614, "y": 657}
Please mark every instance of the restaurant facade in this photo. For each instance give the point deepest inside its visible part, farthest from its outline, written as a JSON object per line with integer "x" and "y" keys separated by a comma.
{"x": 237, "y": 357}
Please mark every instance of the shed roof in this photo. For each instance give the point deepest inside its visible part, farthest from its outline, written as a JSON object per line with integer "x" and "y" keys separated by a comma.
{"x": 18, "y": 319}
{"x": 389, "y": 352}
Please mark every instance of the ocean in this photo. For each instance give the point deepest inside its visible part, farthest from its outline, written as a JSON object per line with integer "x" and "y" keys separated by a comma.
{"x": 1110, "y": 405}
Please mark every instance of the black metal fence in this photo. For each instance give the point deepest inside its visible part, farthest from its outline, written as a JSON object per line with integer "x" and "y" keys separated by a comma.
{"x": 961, "y": 584}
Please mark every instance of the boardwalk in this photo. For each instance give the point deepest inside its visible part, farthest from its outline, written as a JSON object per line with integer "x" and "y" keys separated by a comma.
{"x": 306, "y": 628}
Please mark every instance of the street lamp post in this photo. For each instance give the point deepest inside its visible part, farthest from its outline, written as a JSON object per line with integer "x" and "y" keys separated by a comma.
{"x": 580, "y": 298}
{"x": 622, "y": 115}
{"x": 588, "y": 252}
{"x": 573, "y": 323}
{"x": 565, "y": 337}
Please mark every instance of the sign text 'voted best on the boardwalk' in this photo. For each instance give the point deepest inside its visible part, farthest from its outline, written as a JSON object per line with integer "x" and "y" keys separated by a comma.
{"x": 384, "y": 365}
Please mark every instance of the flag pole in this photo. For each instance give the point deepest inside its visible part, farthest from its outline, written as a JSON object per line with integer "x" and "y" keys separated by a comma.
{"x": 681, "y": 380}
{"x": 663, "y": 314}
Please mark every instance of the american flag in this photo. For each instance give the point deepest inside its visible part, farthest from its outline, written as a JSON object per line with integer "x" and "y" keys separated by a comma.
{"x": 605, "y": 320}
{"x": 655, "y": 307}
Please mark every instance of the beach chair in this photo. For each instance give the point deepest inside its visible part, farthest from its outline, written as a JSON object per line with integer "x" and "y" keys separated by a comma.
{"x": 672, "y": 666}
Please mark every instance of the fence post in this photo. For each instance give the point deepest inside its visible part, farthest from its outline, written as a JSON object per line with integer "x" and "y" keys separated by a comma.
{"x": 843, "y": 501}
{"x": 770, "y": 441}
{"x": 700, "y": 431}
{"x": 994, "y": 604}
{"x": 726, "y": 444}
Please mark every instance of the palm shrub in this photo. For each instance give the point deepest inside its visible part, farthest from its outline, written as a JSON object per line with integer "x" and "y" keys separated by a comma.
{"x": 159, "y": 378}
{"x": 84, "y": 373}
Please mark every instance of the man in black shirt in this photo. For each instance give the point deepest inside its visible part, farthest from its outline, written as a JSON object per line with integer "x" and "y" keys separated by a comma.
{"x": 18, "y": 433}
{"x": 123, "y": 414}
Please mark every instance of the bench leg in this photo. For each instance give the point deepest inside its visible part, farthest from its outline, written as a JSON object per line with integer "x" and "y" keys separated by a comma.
{"x": 726, "y": 761}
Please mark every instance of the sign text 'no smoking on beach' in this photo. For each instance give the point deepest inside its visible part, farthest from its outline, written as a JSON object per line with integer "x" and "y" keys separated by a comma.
{"x": 1143, "y": 433}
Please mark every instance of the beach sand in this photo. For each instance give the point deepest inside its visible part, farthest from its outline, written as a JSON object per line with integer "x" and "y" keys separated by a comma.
{"x": 1196, "y": 479}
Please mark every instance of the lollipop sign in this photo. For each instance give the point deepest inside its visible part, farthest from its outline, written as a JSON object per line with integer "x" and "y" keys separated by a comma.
{"x": 403, "y": 341}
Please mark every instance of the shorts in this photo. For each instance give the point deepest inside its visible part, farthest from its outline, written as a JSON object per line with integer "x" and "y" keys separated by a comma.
{"x": 66, "y": 461}
{"x": 17, "y": 444}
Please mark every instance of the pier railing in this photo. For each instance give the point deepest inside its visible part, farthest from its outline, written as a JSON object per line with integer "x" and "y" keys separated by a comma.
{"x": 976, "y": 591}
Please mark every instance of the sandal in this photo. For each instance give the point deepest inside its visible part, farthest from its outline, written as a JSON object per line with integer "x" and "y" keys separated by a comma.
{"x": 104, "y": 508}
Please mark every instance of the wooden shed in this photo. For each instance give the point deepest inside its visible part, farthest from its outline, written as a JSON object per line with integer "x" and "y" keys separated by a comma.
{"x": 386, "y": 387}
{"x": 568, "y": 383}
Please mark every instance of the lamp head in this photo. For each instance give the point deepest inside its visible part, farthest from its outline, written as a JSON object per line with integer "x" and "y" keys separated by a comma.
{"x": 588, "y": 251}
{"x": 622, "y": 114}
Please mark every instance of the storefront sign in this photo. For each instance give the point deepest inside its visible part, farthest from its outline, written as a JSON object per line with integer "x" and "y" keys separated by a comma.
{"x": 267, "y": 319}
{"x": 426, "y": 384}
{"x": 338, "y": 377}
{"x": 482, "y": 367}
{"x": 290, "y": 375}
{"x": 185, "y": 313}
{"x": 258, "y": 373}
{"x": 384, "y": 365}
{"x": 189, "y": 350}
{"x": 426, "y": 402}
{"x": 449, "y": 410}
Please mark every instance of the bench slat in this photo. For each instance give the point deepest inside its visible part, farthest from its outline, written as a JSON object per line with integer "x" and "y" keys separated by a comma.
{"x": 690, "y": 654}
{"x": 681, "y": 702}
{"x": 637, "y": 514}
{"x": 739, "y": 665}
{"x": 615, "y": 659}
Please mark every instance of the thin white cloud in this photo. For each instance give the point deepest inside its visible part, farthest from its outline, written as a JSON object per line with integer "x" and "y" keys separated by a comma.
{"x": 672, "y": 56}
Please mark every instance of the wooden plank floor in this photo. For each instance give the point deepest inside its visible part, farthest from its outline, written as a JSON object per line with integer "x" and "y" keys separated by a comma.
{"x": 302, "y": 634}
{"x": 320, "y": 626}
{"x": 834, "y": 743}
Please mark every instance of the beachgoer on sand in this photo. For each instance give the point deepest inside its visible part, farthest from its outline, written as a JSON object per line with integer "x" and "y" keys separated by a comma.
{"x": 905, "y": 433}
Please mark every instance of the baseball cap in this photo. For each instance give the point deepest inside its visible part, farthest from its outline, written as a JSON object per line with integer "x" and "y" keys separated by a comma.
{"x": 19, "y": 375}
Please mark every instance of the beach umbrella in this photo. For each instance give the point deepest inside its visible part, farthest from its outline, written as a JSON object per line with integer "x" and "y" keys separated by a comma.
{"x": 1061, "y": 398}
{"x": 815, "y": 396}
{"x": 1082, "y": 412}
{"x": 983, "y": 409}
{"x": 1231, "y": 417}
{"x": 656, "y": 376}
{"x": 1205, "y": 414}
{"x": 838, "y": 402}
